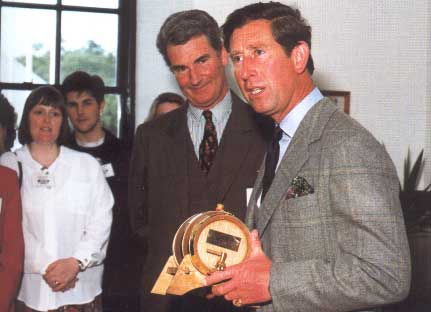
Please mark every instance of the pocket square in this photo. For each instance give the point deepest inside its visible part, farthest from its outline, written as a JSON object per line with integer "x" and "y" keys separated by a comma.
{"x": 299, "y": 187}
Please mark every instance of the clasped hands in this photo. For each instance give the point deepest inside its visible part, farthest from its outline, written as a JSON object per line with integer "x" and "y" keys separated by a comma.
{"x": 61, "y": 274}
{"x": 247, "y": 282}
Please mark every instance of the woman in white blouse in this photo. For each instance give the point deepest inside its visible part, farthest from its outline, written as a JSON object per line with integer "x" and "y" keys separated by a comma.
{"x": 66, "y": 211}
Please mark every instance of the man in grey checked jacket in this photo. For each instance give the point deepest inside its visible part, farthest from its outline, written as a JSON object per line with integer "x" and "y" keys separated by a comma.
{"x": 329, "y": 233}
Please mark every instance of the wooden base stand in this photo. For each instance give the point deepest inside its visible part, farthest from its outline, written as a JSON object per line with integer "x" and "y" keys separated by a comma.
{"x": 178, "y": 280}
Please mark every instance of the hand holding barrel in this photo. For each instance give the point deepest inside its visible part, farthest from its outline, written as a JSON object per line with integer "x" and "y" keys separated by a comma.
{"x": 247, "y": 282}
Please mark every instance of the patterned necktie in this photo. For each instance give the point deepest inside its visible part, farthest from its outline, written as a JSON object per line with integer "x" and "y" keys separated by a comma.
{"x": 208, "y": 146}
{"x": 271, "y": 160}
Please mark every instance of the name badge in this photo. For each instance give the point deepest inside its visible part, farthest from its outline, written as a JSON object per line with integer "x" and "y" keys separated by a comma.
{"x": 43, "y": 179}
{"x": 108, "y": 170}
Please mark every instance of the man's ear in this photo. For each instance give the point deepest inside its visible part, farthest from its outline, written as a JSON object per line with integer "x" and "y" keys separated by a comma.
{"x": 101, "y": 107}
{"x": 300, "y": 54}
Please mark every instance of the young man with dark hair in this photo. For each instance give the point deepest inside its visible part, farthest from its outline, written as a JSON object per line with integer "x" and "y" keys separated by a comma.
{"x": 328, "y": 232}
{"x": 188, "y": 160}
{"x": 85, "y": 103}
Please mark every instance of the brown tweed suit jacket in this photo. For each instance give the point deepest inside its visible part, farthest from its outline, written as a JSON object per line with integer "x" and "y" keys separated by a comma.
{"x": 343, "y": 247}
{"x": 161, "y": 196}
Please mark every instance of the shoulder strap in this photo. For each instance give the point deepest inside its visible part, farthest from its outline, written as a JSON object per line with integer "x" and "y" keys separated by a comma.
{"x": 19, "y": 170}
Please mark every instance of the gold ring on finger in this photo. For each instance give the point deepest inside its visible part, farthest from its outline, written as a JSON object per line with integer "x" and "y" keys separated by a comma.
{"x": 237, "y": 303}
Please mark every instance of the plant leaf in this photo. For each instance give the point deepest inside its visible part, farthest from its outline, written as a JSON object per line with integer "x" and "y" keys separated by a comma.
{"x": 406, "y": 170}
{"x": 413, "y": 176}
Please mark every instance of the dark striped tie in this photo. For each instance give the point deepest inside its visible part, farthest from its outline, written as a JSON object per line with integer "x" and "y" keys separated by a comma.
{"x": 208, "y": 146}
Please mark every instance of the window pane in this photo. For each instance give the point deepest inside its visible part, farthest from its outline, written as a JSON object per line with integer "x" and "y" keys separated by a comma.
{"x": 35, "y": 1}
{"x": 111, "y": 4}
{"x": 27, "y": 45}
{"x": 89, "y": 43}
{"x": 17, "y": 99}
{"x": 112, "y": 114}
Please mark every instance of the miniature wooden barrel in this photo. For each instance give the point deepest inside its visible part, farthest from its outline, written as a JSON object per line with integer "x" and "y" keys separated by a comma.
{"x": 213, "y": 239}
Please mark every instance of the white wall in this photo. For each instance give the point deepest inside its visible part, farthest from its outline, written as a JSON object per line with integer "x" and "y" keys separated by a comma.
{"x": 379, "y": 50}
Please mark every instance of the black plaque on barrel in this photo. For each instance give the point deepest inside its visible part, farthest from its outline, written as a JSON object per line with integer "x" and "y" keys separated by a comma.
{"x": 223, "y": 240}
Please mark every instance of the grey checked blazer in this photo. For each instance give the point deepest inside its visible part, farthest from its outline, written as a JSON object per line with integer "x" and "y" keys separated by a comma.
{"x": 343, "y": 247}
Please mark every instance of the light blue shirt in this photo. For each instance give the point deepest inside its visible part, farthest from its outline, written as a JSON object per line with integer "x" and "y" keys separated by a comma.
{"x": 196, "y": 121}
{"x": 291, "y": 121}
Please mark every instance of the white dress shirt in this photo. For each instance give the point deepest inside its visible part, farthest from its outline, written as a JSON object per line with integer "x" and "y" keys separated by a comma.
{"x": 290, "y": 123}
{"x": 67, "y": 212}
{"x": 196, "y": 121}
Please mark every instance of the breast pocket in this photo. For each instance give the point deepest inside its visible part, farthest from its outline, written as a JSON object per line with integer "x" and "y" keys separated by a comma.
{"x": 300, "y": 209}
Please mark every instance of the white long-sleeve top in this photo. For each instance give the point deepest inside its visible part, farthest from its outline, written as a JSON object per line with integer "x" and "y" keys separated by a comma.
{"x": 68, "y": 215}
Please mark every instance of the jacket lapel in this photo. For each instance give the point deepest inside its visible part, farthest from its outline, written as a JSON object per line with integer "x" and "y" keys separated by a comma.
{"x": 252, "y": 208}
{"x": 178, "y": 131}
{"x": 294, "y": 158}
{"x": 234, "y": 146}
{"x": 309, "y": 130}
{"x": 180, "y": 145}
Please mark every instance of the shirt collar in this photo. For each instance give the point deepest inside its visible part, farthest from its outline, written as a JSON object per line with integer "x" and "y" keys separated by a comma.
{"x": 218, "y": 111}
{"x": 91, "y": 144}
{"x": 290, "y": 123}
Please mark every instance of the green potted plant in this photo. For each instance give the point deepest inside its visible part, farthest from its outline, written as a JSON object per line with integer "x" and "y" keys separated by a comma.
{"x": 416, "y": 204}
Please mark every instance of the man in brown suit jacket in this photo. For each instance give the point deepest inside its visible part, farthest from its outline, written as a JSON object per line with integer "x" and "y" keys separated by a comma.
{"x": 11, "y": 239}
{"x": 166, "y": 183}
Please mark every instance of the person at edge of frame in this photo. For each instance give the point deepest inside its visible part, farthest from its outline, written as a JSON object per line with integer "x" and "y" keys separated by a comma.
{"x": 7, "y": 125}
{"x": 11, "y": 239}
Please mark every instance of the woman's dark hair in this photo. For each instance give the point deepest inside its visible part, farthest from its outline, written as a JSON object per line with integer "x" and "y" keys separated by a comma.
{"x": 163, "y": 98}
{"x": 48, "y": 96}
{"x": 288, "y": 26}
{"x": 7, "y": 121}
